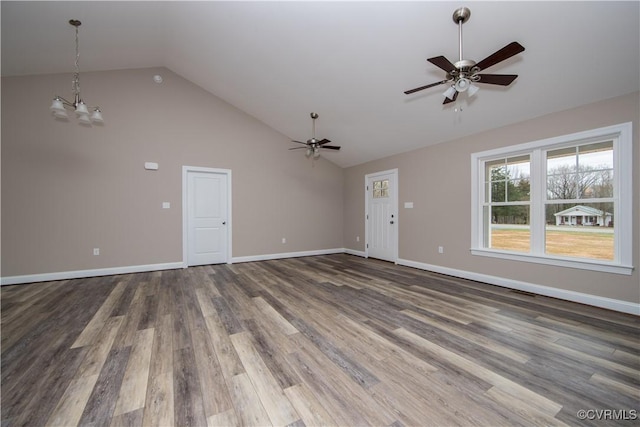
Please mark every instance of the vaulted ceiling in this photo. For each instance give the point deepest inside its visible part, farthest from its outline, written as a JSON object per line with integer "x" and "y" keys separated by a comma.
{"x": 348, "y": 61}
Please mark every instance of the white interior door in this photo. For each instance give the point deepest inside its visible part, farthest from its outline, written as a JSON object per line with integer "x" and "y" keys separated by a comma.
{"x": 382, "y": 215}
{"x": 207, "y": 216}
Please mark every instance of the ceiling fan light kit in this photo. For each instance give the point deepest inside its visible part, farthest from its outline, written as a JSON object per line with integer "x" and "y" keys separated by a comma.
{"x": 314, "y": 145}
{"x": 59, "y": 104}
{"x": 449, "y": 92}
{"x": 473, "y": 89}
{"x": 462, "y": 75}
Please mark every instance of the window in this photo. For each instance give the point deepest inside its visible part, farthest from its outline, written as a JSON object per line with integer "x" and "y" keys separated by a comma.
{"x": 381, "y": 189}
{"x": 506, "y": 209}
{"x": 562, "y": 201}
{"x": 576, "y": 177}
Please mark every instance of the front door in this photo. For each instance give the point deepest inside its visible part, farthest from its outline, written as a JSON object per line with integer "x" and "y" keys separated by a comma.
{"x": 207, "y": 216}
{"x": 382, "y": 215}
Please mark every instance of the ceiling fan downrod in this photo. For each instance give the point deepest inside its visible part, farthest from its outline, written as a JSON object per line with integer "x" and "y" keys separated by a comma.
{"x": 460, "y": 16}
{"x": 314, "y": 116}
{"x": 464, "y": 74}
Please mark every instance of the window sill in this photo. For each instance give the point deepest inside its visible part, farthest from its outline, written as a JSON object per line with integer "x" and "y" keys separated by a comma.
{"x": 601, "y": 266}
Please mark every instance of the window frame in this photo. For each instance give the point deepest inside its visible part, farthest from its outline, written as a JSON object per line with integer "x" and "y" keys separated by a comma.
{"x": 622, "y": 137}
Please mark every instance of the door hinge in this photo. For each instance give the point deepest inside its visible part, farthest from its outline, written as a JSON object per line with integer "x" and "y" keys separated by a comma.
{"x": 367, "y": 216}
{"x": 367, "y": 246}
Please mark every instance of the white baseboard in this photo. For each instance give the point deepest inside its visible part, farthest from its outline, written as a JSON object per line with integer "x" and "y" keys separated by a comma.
{"x": 594, "y": 300}
{"x": 282, "y": 255}
{"x": 65, "y": 275}
{"x": 356, "y": 253}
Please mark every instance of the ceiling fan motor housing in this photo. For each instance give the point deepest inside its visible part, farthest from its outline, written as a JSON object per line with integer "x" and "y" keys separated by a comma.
{"x": 466, "y": 65}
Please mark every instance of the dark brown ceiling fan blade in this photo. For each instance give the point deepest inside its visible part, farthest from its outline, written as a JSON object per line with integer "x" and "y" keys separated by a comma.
{"x": 407, "y": 92}
{"x": 324, "y": 141}
{"x": 330, "y": 147}
{"x": 443, "y": 63}
{"x": 296, "y": 148}
{"x": 447, "y": 100}
{"x": 497, "y": 79}
{"x": 506, "y": 52}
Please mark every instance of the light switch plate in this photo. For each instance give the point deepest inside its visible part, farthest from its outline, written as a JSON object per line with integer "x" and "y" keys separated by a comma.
{"x": 408, "y": 205}
{"x": 166, "y": 205}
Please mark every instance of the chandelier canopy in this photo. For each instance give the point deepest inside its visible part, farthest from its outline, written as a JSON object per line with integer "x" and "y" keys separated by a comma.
{"x": 59, "y": 105}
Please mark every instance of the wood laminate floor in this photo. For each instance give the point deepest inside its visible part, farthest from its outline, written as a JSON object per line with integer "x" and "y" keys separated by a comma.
{"x": 327, "y": 340}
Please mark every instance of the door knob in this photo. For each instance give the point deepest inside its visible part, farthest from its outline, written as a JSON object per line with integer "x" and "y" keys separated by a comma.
{"x": 224, "y": 222}
{"x": 391, "y": 222}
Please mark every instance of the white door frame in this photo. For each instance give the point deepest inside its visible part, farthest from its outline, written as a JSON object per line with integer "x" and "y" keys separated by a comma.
{"x": 394, "y": 201}
{"x": 185, "y": 231}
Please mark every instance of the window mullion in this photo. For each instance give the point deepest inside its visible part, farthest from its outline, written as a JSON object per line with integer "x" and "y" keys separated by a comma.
{"x": 538, "y": 197}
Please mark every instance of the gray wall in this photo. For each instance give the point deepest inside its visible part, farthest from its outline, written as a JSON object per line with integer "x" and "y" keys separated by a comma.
{"x": 67, "y": 189}
{"x": 437, "y": 179}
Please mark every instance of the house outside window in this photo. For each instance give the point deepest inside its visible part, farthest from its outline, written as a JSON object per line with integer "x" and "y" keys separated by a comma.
{"x": 562, "y": 201}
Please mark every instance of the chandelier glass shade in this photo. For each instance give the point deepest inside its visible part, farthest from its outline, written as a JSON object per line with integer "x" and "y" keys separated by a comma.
{"x": 60, "y": 105}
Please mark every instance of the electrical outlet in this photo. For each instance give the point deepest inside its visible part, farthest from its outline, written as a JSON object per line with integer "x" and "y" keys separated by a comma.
{"x": 96, "y": 251}
{"x": 440, "y": 249}
{"x": 284, "y": 240}
{"x": 357, "y": 238}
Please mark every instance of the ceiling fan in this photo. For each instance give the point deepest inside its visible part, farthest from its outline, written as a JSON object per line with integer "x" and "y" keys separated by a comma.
{"x": 314, "y": 145}
{"x": 463, "y": 74}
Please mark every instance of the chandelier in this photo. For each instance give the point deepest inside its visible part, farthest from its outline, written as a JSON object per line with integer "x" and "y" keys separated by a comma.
{"x": 59, "y": 105}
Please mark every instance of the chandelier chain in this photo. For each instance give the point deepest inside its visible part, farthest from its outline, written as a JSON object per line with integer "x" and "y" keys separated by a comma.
{"x": 59, "y": 104}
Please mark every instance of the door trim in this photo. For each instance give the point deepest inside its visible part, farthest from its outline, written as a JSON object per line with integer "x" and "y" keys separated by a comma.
{"x": 185, "y": 232}
{"x": 394, "y": 201}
